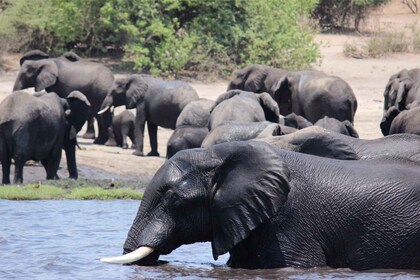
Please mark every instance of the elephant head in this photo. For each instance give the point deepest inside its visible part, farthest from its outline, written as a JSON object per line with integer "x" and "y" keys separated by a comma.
{"x": 343, "y": 127}
{"x": 126, "y": 91}
{"x": 396, "y": 90}
{"x": 221, "y": 194}
{"x": 38, "y": 73}
{"x": 250, "y": 78}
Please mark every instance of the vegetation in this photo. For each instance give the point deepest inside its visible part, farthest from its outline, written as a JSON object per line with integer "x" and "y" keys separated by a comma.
{"x": 38, "y": 192}
{"x": 339, "y": 14}
{"x": 167, "y": 36}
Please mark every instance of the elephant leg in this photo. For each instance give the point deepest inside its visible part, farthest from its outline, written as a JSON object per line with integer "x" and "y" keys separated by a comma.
{"x": 132, "y": 137}
{"x": 71, "y": 160}
{"x": 5, "y": 166}
{"x": 90, "y": 131}
{"x": 18, "y": 178}
{"x": 111, "y": 138}
{"x": 125, "y": 129}
{"x": 153, "y": 139}
{"x": 139, "y": 130}
{"x": 104, "y": 122}
{"x": 51, "y": 164}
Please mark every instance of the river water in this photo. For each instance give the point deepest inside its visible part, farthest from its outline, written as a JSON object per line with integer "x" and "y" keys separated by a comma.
{"x": 65, "y": 240}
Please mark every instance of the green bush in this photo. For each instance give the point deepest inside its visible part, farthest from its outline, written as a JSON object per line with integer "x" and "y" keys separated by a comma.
{"x": 332, "y": 14}
{"x": 168, "y": 36}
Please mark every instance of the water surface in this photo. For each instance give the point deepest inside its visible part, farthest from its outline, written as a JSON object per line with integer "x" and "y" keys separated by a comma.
{"x": 65, "y": 240}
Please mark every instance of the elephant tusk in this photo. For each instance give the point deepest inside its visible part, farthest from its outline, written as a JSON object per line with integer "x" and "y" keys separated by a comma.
{"x": 136, "y": 255}
{"x": 103, "y": 110}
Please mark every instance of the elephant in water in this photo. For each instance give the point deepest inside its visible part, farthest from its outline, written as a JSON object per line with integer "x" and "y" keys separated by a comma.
{"x": 269, "y": 207}
{"x": 157, "y": 102}
{"x": 38, "y": 128}
{"x": 65, "y": 74}
{"x": 318, "y": 141}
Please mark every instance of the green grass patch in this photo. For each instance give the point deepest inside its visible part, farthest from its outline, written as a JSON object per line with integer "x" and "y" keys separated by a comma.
{"x": 45, "y": 192}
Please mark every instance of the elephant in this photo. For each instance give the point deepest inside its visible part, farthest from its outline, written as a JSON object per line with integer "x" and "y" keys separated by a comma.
{"x": 240, "y": 131}
{"x": 295, "y": 121}
{"x": 313, "y": 95}
{"x": 122, "y": 127}
{"x": 255, "y": 78}
{"x": 399, "y": 90}
{"x": 37, "y": 127}
{"x": 270, "y": 208}
{"x": 343, "y": 127}
{"x": 318, "y": 141}
{"x": 157, "y": 102}
{"x": 191, "y": 127}
{"x": 407, "y": 121}
{"x": 244, "y": 106}
{"x": 65, "y": 74}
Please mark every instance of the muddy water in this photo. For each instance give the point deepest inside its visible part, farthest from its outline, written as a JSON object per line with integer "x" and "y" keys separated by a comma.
{"x": 65, "y": 239}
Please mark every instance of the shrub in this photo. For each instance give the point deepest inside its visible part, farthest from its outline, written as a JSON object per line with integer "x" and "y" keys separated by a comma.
{"x": 341, "y": 14}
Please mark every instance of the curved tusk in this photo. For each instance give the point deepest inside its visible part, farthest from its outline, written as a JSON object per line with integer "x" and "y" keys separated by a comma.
{"x": 112, "y": 109}
{"x": 103, "y": 110}
{"x": 136, "y": 255}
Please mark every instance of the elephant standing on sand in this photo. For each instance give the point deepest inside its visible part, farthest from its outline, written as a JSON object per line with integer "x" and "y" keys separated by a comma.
{"x": 38, "y": 128}
{"x": 313, "y": 95}
{"x": 65, "y": 74}
{"x": 243, "y": 106}
{"x": 191, "y": 127}
{"x": 157, "y": 102}
{"x": 269, "y": 208}
{"x": 122, "y": 127}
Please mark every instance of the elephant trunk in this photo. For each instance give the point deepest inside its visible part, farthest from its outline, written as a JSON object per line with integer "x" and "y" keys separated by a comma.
{"x": 18, "y": 84}
{"x": 131, "y": 257}
{"x": 107, "y": 104}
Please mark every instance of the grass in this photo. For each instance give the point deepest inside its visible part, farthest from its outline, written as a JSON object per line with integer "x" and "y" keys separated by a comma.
{"x": 42, "y": 192}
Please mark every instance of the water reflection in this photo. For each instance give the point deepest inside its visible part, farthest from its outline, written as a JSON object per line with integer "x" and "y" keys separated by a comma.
{"x": 65, "y": 239}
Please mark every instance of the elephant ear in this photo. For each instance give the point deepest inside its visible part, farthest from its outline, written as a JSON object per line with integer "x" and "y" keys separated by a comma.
{"x": 282, "y": 94}
{"x": 78, "y": 109}
{"x": 270, "y": 107}
{"x": 33, "y": 55}
{"x": 403, "y": 90}
{"x": 47, "y": 75}
{"x": 136, "y": 89}
{"x": 255, "y": 81}
{"x": 227, "y": 95}
{"x": 249, "y": 187}
{"x": 350, "y": 129}
{"x": 71, "y": 56}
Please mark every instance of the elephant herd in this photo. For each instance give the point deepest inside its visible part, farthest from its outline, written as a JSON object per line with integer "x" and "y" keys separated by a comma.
{"x": 271, "y": 172}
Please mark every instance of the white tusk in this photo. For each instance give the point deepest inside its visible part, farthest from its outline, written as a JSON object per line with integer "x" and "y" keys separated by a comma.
{"x": 103, "y": 110}
{"x": 136, "y": 255}
{"x": 112, "y": 109}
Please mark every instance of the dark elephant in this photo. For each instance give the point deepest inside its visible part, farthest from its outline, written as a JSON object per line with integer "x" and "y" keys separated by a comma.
{"x": 122, "y": 127}
{"x": 401, "y": 89}
{"x": 157, "y": 102}
{"x": 406, "y": 121}
{"x": 243, "y": 106}
{"x": 318, "y": 141}
{"x": 295, "y": 121}
{"x": 313, "y": 95}
{"x": 255, "y": 78}
{"x": 65, "y": 74}
{"x": 240, "y": 131}
{"x": 191, "y": 127}
{"x": 37, "y": 128}
{"x": 343, "y": 127}
{"x": 271, "y": 208}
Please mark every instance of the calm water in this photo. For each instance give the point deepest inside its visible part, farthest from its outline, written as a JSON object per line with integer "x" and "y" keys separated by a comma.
{"x": 65, "y": 239}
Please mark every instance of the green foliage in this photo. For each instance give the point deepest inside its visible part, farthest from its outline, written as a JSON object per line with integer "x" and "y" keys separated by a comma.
{"x": 343, "y": 13}
{"x": 169, "y": 36}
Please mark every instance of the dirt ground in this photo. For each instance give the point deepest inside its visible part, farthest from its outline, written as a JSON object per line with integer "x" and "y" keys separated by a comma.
{"x": 367, "y": 77}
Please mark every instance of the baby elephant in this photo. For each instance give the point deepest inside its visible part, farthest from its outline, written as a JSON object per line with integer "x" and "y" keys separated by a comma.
{"x": 37, "y": 127}
{"x": 343, "y": 127}
{"x": 122, "y": 127}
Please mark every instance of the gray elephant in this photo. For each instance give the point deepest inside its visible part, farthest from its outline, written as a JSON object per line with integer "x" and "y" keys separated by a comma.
{"x": 240, "y": 131}
{"x": 122, "y": 127}
{"x": 406, "y": 121}
{"x": 295, "y": 121}
{"x": 157, "y": 102}
{"x": 271, "y": 208}
{"x": 313, "y": 95}
{"x": 38, "y": 127}
{"x": 343, "y": 127}
{"x": 399, "y": 90}
{"x": 244, "y": 106}
{"x": 318, "y": 141}
{"x": 65, "y": 74}
{"x": 255, "y": 78}
{"x": 191, "y": 127}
